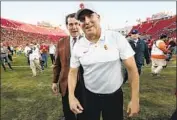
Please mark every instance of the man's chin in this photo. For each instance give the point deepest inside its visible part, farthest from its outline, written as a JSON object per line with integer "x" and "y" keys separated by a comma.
{"x": 75, "y": 35}
{"x": 89, "y": 32}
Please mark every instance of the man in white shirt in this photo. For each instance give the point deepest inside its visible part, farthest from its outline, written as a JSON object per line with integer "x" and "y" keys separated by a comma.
{"x": 34, "y": 58}
{"x": 52, "y": 50}
{"x": 26, "y": 50}
{"x": 99, "y": 53}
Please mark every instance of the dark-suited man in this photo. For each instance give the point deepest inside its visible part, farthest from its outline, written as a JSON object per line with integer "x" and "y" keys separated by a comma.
{"x": 62, "y": 64}
{"x": 141, "y": 51}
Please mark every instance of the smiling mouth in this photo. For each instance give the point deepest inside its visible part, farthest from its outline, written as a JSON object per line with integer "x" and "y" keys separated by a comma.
{"x": 87, "y": 28}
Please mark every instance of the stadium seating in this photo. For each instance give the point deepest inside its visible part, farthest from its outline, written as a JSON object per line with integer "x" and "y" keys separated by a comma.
{"x": 157, "y": 27}
{"x": 22, "y": 33}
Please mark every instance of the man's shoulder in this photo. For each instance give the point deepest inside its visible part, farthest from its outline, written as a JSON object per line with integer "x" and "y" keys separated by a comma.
{"x": 110, "y": 32}
{"x": 159, "y": 41}
{"x": 142, "y": 41}
{"x": 63, "y": 39}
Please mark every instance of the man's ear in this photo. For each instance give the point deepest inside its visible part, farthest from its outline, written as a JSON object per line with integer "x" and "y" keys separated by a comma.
{"x": 98, "y": 16}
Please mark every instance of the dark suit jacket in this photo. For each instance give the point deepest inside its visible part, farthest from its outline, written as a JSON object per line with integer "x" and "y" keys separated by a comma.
{"x": 62, "y": 64}
{"x": 141, "y": 52}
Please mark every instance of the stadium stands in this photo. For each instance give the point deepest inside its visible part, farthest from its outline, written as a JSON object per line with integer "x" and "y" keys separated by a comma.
{"x": 19, "y": 32}
{"x": 157, "y": 27}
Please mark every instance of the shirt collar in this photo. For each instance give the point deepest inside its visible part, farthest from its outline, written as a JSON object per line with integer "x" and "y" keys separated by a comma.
{"x": 136, "y": 40}
{"x": 71, "y": 38}
{"x": 102, "y": 37}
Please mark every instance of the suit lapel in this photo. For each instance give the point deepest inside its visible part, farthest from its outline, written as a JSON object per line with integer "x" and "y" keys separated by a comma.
{"x": 67, "y": 48}
{"x": 67, "y": 43}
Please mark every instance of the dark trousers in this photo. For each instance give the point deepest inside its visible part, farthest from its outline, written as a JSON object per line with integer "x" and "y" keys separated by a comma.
{"x": 68, "y": 114}
{"x": 12, "y": 52}
{"x": 149, "y": 50}
{"x": 10, "y": 57}
{"x": 174, "y": 115}
{"x": 3, "y": 64}
{"x": 28, "y": 61}
{"x": 109, "y": 105}
{"x": 4, "y": 67}
{"x": 44, "y": 58}
{"x": 52, "y": 57}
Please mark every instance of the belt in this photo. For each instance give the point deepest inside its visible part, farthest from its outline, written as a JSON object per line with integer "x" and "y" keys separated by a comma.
{"x": 103, "y": 95}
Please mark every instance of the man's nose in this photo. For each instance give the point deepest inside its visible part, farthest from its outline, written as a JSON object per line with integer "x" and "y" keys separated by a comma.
{"x": 74, "y": 26}
{"x": 87, "y": 19}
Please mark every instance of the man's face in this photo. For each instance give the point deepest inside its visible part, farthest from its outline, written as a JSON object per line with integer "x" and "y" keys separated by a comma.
{"x": 1, "y": 44}
{"x": 31, "y": 45}
{"x": 134, "y": 36}
{"x": 73, "y": 27}
{"x": 90, "y": 23}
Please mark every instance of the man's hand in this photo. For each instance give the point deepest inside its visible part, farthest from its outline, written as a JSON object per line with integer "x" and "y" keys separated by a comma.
{"x": 75, "y": 105}
{"x": 55, "y": 88}
{"x": 133, "y": 108}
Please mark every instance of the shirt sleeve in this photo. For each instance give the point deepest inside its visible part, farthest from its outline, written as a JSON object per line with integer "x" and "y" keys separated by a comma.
{"x": 125, "y": 50}
{"x": 74, "y": 61}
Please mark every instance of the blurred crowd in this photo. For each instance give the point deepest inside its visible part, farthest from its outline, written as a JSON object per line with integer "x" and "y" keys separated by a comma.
{"x": 19, "y": 38}
{"x": 36, "y": 53}
{"x": 17, "y": 42}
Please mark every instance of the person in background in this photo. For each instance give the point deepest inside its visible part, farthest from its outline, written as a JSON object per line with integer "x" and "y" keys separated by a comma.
{"x": 4, "y": 57}
{"x": 159, "y": 55}
{"x": 141, "y": 52}
{"x": 12, "y": 49}
{"x": 26, "y": 51}
{"x": 34, "y": 57}
{"x": 172, "y": 45}
{"x": 9, "y": 52}
{"x": 150, "y": 43}
{"x": 44, "y": 48}
{"x": 52, "y": 50}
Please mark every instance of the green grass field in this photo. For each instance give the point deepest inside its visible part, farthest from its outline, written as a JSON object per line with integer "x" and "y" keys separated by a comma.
{"x": 30, "y": 98}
